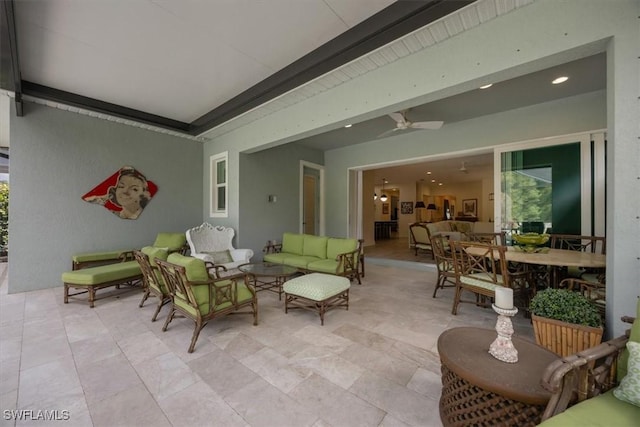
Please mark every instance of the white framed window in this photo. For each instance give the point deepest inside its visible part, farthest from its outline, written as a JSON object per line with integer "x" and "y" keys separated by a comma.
{"x": 218, "y": 180}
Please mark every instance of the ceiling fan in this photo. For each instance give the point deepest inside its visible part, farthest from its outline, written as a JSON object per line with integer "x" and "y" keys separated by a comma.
{"x": 402, "y": 123}
{"x": 463, "y": 168}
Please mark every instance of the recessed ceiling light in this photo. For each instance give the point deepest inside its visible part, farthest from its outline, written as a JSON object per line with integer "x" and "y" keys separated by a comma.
{"x": 348, "y": 126}
{"x": 428, "y": 172}
{"x": 486, "y": 86}
{"x": 433, "y": 180}
{"x": 560, "y": 80}
{"x": 439, "y": 183}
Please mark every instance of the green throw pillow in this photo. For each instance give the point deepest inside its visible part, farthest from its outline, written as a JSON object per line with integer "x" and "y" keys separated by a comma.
{"x": 221, "y": 257}
{"x": 629, "y": 388}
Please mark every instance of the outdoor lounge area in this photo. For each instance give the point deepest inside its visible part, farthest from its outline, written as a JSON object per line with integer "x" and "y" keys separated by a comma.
{"x": 375, "y": 364}
{"x": 276, "y": 118}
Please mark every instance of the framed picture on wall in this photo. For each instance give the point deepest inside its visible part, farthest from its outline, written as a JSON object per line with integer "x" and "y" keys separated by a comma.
{"x": 385, "y": 209}
{"x": 470, "y": 207}
{"x": 406, "y": 207}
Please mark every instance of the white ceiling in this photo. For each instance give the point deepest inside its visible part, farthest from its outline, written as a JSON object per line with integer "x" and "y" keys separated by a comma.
{"x": 181, "y": 59}
{"x": 177, "y": 59}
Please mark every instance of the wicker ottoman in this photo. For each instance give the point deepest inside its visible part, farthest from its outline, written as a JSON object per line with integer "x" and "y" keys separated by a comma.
{"x": 317, "y": 292}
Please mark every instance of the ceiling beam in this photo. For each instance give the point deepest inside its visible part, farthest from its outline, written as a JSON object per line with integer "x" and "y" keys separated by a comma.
{"x": 393, "y": 22}
{"x": 71, "y": 99}
{"x": 10, "y": 77}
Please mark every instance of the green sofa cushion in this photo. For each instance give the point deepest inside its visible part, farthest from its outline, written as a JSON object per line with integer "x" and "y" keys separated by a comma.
{"x": 316, "y": 286}
{"x": 171, "y": 241}
{"x": 97, "y": 256}
{"x": 604, "y": 410}
{"x": 315, "y": 246}
{"x": 276, "y": 258}
{"x": 300, "y": 261}
{"x": 292, "y": 243}
{"x": 102, "y": 274}
{"x": 337, "y": 246}
{"x": 324, "y": 266}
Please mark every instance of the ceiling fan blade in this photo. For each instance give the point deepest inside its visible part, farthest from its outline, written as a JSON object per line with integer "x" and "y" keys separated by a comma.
{"x": 427, "y": 125}
{"x": 398, "y": 117}
{"x": 389, "y": 132}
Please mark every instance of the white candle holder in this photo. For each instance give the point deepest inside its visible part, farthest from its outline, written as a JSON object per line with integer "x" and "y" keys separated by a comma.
{"x": 502, "y": 348}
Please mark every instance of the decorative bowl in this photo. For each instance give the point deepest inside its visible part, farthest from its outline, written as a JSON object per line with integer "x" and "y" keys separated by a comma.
{"x": 531, "y": 239}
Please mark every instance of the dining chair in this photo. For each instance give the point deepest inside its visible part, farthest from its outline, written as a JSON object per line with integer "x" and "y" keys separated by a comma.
{"x": 498, "y": 239}
{"x": 444, "y": 262}
{"x": 421, "y": 238}
{"x": 573, "y": 242}
{"x": 480, "y": 269}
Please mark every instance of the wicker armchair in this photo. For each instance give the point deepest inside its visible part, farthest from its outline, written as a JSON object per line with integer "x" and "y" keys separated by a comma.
{"x": 583, "y": 382}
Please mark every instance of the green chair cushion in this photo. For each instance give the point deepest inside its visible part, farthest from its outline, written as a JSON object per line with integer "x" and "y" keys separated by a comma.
{"x": 97, "y": 256}
{"x": 316, "y": 286}
{"x": 336, "y": 246}
{"x": 171, "y": 241}
{"x": 152, "y": 252}
{"x": 481, "y": 280}
{"x": 604, "y": 411}
{"x": 292, "y": 243}
{"x": 194, "y": 267}
{"x": 105, "y": 273}
{"x": 315, "y": 246}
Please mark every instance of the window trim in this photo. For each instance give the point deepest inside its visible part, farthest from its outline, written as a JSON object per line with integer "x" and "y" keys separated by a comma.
{"x": 214, "y": 160}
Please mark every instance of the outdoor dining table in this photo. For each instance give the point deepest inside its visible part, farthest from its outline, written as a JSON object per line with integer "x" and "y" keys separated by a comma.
{"x": 553, "y": 258}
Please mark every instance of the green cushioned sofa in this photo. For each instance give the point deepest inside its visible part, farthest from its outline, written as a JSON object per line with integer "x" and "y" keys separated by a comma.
{"x": 321, "y": 254}
{"x": 595, "y": 393}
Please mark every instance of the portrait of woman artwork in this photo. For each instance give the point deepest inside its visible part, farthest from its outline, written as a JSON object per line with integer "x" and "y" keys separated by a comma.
{"x": 125, "y": 193}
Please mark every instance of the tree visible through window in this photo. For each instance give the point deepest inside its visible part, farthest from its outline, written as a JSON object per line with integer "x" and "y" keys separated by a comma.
{"x": 218, "y": 203}
{"x": 527, "y": 195}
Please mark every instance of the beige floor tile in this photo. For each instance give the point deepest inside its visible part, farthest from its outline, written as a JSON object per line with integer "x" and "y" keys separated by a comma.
{"x": 141, "y": 347}
{"x": 56, "y": 378}
{"x": 262, "y": 405}
{"x": 133, "y": 406}
{"x": 275, "y": 369}
{"x": 57, "y": 347}
{"x": 223, "y": 373}
{"x": 165, "y": 375}
{"x": 381, "y": 363}
{"x": 107, "y": 377}
{"x": 197, "y": 406}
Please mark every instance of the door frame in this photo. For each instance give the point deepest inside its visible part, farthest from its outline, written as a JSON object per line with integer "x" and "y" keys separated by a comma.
{"x": 320, "y": 207}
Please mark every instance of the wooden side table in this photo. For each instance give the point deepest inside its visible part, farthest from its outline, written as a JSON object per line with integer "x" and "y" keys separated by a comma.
{"x": 480, "y": 390}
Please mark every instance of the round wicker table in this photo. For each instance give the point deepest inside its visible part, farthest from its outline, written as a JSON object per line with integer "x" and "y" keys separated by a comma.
{"x": 480, "y": 390}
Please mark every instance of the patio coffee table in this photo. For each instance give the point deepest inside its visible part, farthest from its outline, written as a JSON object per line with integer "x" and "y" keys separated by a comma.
{"x": 256, "y": 272}
{"x": 480, "y": 390}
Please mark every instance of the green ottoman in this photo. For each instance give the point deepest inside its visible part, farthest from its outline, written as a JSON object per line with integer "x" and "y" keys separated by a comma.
{"x": 317, "y": 292}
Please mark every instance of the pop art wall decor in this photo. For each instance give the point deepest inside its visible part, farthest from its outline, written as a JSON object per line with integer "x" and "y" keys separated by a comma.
{"x": 125, "y": 193}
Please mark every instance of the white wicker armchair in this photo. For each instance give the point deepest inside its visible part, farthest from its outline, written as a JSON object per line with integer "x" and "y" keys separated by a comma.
{"x": 214, "y": 244}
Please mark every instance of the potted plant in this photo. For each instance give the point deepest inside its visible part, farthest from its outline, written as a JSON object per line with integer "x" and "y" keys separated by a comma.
{"x": 565, "y": 321}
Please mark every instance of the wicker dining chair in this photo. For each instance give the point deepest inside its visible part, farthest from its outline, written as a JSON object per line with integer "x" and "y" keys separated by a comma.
{"x": 594, "y": 292}
{"x": 444, "y": 262}
{"x": 151, "y": 278}
{"x": 498, "y": 239}
{"x": 572, "y": 242}
{"x": 480, "y": 269}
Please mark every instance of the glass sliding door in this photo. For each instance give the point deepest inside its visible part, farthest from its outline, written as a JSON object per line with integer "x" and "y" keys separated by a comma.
{"x": 551, "y": 186}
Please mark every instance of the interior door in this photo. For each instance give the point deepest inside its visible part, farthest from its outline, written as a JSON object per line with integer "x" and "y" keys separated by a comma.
{"x": 309, "y": 204}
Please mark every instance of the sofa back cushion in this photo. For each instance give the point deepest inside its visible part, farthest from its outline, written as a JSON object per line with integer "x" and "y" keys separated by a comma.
{"x": 292, "y": 243}
{"x": 336, "y": 246}
{"x": 315, "y": 246}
